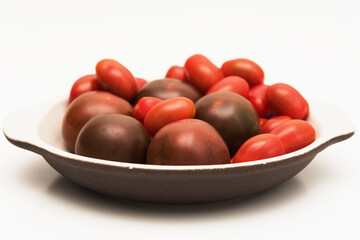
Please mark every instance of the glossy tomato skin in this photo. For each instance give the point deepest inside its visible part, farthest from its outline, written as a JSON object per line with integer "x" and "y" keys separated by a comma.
{"x": 116, "y": 79}
{"x": 231, "y": 115}
{"x": 87, "y": 106}
{"x": 140, "y": 82}
{"x": 187, "y": 142}
{"x": 168, "y": 88}
{"x": 273, "y": 123}
{"x": 295, "y": 134}
{"x": 257, "y": 97}
{"x": 84, "y": 84}
{"x": 244, "y": 68}
{"x": 283, "y": 99}
{"x": 143, "y": 106}
{"x": 114, "y": 137}
{"x": 168, "y": 111}
{"x": 177, "y": 72}
{"x": 233, "y": 84}
{"x": 262, "y": 121}
{"x": 259, "y": 147}
{"x": 202, "y": 73}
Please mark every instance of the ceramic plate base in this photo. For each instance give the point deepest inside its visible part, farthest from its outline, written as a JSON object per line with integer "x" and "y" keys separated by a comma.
{"x": 38, "y": 129}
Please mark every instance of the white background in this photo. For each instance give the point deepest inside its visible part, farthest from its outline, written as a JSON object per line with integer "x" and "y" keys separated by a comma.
{"x": 313, "y": 45}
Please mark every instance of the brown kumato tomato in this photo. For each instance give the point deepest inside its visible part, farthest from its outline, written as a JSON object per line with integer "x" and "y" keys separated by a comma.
{"x": 187, "y": 142}
{"x": 87, "y": 106}
{"x": 168, "y": 88}
{"x": 231, "y": 115}
{"x": 114, "y": 137}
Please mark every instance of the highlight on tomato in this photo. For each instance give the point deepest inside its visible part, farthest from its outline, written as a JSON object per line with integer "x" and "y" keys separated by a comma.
{"x": 202, "y": 73}
{"x": 143, "y": 106}
{"x": 244, "y": 68}
{"x": 84, "y": 84}
{"x": 257, "y": 97}
{"x": 233, "y": 84}
{"x": 187, "y": 142}
{"x": 87, "y": 106}
{"x": 116, "y": 78}
{"x": 283, "y": 99}
{"x": 295, "y": 134}
{"x": 168, "y": 111}
{"x": 259, "y": 147}
{"x": 273, "y": 123}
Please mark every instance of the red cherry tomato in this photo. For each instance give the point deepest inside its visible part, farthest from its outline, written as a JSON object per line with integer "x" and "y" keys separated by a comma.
{"x": 244, "y": 68}
{"x": 273, "y": 123}
{"x": 143, "y": 106}
{"x": 168, "y": 111}
{"x": 84, "y": 84}
{"x": 202, "y": 73}
{"x": 259, "y": 147}
{"x": 176, "y": 72}
{"x": 116, "y": 79}
{"x": 286, "y": 100}
{"x": 295, "y": 134}
{"x": 257, "y": 97}
{"x": 231, "y": 84}
{"x": 140, "y": 82}
{"x": 262, "y": 122}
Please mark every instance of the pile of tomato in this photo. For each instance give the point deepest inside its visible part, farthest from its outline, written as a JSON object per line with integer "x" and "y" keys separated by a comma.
{"x": 198, "y": 114}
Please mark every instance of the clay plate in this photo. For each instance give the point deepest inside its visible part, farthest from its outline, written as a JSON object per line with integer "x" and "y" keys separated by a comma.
{"x": 38, "y": 129}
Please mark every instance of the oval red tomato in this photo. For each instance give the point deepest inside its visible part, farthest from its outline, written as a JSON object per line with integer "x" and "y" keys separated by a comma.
{"x": 168, "y": 111}
{"x": 283, "y": 99}
{"x": 143, "y": 106}
{"x": 295, "y": 134}
{"x": 116, "y": 79}
{"x": 87, "y": 106}
{"x": 257, "y": 97}
{"x": 273, "y": 123}
{"x": 259, "y": 147}
{"x": 84, "y": 84}
{"x": 202, "y": 73}
{"x": 231, "y": 84}
{"x": 140, "y": 82}
{"x": 176, "y": 72}
{"x": 262, "y": 122}
{"x": 244, "y": 68}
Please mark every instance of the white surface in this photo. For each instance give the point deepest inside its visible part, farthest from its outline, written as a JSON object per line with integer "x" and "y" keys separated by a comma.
{"x": 312, "y": 45}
